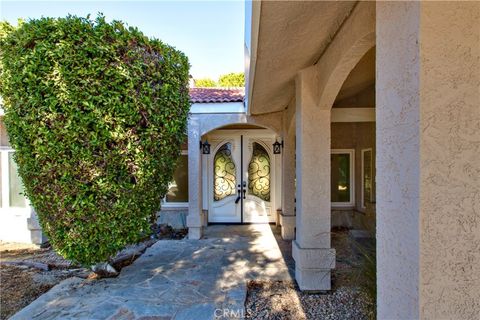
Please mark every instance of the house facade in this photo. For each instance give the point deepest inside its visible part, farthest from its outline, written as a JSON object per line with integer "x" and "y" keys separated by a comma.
{"x": 376, "y": 107}
{"x": 355, "y": 114}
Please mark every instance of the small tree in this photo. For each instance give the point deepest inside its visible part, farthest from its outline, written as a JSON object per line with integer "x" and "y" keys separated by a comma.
{"x": 232, "y": 80}
{"x": 96, "y": 113}
{"x": 205, "y": 83}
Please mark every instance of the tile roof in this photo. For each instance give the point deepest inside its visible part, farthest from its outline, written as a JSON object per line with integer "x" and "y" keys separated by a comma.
{"x": 216, "y": 95}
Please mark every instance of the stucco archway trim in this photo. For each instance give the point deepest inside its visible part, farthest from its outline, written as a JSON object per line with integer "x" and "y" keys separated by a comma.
{"x": 355, "y": 38}
{"x": 210, "y": 122}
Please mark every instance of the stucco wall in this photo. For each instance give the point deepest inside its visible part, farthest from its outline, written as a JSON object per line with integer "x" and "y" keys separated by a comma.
{"x": 428, "y": 168}
{"x": 14, "y": 226}
{"x": 174, "y": 217}
{"x": 450, "y": 161}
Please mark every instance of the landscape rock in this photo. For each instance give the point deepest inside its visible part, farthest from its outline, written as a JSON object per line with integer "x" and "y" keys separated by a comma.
{"x": 104, "y": 269}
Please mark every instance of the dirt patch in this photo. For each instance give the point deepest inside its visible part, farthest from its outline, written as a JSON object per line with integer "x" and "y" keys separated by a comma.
{"x": 20, "y": 286}
{"x": 27, "y": 272}
{"x": 165, "y": 232}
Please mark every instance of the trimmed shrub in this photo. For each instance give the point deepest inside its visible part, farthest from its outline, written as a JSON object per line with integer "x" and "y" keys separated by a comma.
{"x": 96, "y": 113}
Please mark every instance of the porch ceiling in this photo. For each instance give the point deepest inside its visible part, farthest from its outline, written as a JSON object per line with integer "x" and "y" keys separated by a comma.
{"x": 291, "y": 36}
{"x": 360, "y": 78}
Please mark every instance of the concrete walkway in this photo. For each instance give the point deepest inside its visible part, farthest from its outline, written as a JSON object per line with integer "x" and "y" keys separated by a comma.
{"x": 176, "y": 279}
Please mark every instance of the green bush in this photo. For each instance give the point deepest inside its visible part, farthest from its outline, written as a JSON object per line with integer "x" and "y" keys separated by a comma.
{"x": 96, "y": 112}
{"x": 232, "y": 80}
{"x": 205, "y": 83}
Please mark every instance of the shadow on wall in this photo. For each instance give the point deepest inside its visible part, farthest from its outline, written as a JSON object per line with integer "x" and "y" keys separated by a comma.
{"x": 176, "y": 218}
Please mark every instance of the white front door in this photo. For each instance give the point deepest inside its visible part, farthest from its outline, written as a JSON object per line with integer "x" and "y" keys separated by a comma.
{"x": 257, "y": 177}
{"x": 225, "y": 166}
{"x": 241, "y": 175}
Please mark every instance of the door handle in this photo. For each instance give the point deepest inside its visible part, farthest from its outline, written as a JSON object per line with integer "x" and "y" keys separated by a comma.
{"x": 239, "y": 194}
{"x": 244, "y": 189}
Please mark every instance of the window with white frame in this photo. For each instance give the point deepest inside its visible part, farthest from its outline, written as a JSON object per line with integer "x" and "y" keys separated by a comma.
{"x": 342, "y": 177}
{"x": 177, "y": 194}
{"x": 367, "y": 177}
{"x": 11, "y": 187}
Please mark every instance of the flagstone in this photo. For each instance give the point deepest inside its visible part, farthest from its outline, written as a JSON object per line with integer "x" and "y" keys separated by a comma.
{"x": 174, "y": 279}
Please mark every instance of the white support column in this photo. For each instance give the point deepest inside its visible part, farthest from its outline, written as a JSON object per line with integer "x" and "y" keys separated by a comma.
{"x": 287, "y": 216}
{"x": 195, "y": 212}
{"x": 397, "y": 162}
{"x": 311, "y": 250}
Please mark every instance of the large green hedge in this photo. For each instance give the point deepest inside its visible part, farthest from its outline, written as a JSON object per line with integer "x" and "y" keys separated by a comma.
{"x": 96, "y": 113}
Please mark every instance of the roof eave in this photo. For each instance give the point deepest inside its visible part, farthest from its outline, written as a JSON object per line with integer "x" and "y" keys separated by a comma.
{"x": 251, "y": 56}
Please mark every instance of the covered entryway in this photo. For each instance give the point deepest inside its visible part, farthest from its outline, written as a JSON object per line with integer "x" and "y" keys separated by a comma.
{"x": 240, "y": 175}
{"x": 239, "y": 179}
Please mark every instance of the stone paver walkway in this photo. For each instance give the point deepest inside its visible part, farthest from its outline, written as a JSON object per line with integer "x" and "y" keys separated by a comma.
{"x": 176, "y": 279}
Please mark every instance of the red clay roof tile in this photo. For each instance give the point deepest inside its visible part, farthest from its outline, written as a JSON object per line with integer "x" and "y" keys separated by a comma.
{"x": 216, "y": 95}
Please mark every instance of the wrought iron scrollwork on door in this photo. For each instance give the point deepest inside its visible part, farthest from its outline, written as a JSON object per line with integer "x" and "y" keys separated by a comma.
{"x": 224, "y": 173}
{"x": 259, "y": 173}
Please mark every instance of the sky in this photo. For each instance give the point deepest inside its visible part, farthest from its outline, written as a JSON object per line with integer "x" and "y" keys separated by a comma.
{"x": 210, "y": 33}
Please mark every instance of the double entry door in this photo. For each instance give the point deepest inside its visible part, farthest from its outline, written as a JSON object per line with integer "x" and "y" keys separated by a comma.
{"x": 241, "y": 176}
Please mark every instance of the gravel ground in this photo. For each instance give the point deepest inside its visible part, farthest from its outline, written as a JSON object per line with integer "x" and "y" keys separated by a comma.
{"x": 17, "y": 252}
{"x": 21, "y": 285}
{"x": 283, "y": 299}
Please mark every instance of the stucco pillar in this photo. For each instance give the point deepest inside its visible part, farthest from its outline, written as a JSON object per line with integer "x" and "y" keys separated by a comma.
{"x": 428, "y": 146}
{"x": 36, "y": 234}
{"x": 287, "y": 216}
{"x": 311, "y": 250}
{"x": 195, "y": 212}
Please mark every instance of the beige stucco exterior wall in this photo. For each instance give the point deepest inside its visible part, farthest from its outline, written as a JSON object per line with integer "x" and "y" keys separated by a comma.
{"x": 428, "y": 168}
{"x": 450, "y": 160}
{"x": 287, "y": 214}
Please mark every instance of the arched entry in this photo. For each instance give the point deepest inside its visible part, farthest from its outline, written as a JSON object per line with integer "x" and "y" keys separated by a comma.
{"x": 240, "y": 173}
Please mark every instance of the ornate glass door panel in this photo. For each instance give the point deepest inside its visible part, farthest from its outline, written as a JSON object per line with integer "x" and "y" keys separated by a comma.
{"x": 225, "y": 166}
{"x": 224, "y": 170}
{"x": 258, "y": 174}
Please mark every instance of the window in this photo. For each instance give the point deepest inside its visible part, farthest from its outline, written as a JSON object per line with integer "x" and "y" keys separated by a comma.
{"x": 177, "y": 194}
{"x": 342, "y": 187}
{"x": 11, "y": 187}
{"x": 367, "y": 178}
